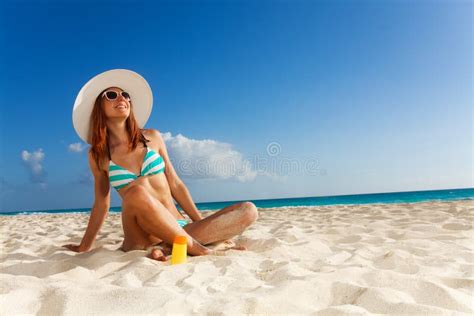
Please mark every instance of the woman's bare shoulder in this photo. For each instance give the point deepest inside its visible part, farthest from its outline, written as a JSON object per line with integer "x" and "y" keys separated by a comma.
{"x": 155, "y": 138}
{"x": 152, "y": 132}
{"x": 103, "y": 164}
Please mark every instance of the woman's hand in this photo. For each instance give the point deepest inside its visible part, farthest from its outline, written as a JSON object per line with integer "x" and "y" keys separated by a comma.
{"x": 77, "y": 248}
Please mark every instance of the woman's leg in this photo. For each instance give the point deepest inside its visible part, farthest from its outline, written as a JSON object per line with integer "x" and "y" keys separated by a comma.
{"x": 224, "y": 224}
{"x": 143, "y": 215}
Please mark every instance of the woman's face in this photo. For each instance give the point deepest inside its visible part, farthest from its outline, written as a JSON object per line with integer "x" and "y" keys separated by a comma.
{"x": 120, "y": 107}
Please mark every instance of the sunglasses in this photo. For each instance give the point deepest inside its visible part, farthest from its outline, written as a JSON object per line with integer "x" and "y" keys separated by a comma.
{"x": 112, "y": 95}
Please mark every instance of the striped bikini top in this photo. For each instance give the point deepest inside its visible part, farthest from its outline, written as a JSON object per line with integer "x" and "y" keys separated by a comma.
{"x": 120, "y": 177}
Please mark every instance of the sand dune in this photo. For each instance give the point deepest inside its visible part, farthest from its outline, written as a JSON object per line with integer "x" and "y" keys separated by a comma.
{"x": 336, "y": 260}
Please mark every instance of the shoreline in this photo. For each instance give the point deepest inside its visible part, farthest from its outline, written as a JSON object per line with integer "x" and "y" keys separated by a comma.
{"x": 33, "y": 213}
{"x": 352, "y": 199}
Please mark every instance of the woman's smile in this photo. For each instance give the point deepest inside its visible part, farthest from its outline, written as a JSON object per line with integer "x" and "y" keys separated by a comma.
{"x": 122, "y": 106}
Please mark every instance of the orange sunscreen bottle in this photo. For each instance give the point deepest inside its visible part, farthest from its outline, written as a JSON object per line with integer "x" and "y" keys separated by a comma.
{"x": 179, "y": 252}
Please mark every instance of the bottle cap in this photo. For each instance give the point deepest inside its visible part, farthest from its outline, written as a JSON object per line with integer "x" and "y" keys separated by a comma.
{"x": 182, "y": 240}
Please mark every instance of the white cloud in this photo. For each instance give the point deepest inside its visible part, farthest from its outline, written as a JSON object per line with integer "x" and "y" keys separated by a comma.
{"x": 207, "y": 159}
{"x": 76, "y": 147}
{"x": 32, "y": 162}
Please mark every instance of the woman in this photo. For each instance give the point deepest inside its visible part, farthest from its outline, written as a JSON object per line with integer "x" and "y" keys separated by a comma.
{"x": 109, "y": 113}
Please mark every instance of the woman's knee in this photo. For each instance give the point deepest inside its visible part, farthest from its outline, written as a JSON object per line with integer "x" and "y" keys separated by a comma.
{"x": 137, "y": 197}
{"x": 250, "y": 212}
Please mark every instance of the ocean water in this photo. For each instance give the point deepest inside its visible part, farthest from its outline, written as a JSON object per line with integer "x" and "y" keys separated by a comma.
{"x": 394, "y": 197}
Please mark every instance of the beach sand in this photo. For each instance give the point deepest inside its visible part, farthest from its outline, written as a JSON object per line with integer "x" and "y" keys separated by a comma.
{"x": 412, "y": 259}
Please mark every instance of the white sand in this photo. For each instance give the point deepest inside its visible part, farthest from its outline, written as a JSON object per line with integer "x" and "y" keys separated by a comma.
{"x": 412, "y": 259}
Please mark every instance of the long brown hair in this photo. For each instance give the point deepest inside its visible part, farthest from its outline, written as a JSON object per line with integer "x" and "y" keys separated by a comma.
{"x": 99, "y": 134}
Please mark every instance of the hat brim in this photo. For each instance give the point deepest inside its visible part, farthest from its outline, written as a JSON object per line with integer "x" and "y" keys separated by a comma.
{"x": 138, "y": 88}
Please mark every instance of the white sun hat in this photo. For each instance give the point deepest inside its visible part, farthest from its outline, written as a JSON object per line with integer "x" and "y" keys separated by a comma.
{"x": 127, "y": 80}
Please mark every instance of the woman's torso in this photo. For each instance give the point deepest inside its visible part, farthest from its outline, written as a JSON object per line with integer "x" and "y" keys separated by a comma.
{"x": 156, "y": 184}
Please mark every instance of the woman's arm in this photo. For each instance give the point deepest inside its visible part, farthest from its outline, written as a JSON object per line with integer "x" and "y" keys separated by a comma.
{"x": 183, "y": 197}
{"x": 99, "y": 210}
{"x": 97, "y": 218}
{"x": 178, "y": 190}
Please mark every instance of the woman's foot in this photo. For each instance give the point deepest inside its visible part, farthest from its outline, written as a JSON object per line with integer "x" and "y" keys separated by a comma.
{"x": 159, "y": 253}
{"x": 226, "y": 245}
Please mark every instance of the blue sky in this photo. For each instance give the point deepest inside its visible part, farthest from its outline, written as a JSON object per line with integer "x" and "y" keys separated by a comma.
{"x": 357, "y": 96}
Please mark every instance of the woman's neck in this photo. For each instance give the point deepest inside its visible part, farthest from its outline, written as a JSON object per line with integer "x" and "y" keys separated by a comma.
{"x": 118, "y": 135}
